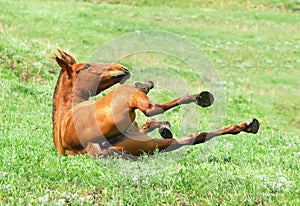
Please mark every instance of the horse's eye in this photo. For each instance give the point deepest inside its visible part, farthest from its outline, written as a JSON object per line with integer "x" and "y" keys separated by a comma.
{"x": 86, "y": 66}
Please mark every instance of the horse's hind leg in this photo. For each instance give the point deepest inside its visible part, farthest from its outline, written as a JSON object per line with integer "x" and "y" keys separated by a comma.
{"x": 137, "y": 144}
{"x": 251, "y": 126}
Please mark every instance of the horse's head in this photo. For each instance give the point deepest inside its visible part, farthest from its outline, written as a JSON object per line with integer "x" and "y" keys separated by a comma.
{"x": 91, "y": 78}
{"x": 98, "y": 77}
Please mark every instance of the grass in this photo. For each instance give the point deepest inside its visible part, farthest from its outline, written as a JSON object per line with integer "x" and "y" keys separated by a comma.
{"x": 255, "y": 48}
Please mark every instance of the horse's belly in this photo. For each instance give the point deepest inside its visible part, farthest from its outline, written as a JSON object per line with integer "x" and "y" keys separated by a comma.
{"x": 90, "y": 124}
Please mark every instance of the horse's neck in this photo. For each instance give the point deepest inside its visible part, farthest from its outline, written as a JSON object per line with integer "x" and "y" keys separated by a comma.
{"x": 65, "y": 97}
{"x": 62, "y": 102}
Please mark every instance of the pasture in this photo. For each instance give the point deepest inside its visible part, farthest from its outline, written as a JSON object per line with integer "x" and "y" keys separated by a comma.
{"x": 255, "y": 48}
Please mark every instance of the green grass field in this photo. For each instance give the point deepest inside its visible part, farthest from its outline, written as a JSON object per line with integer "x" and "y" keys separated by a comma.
{"x": 255, "y": 47}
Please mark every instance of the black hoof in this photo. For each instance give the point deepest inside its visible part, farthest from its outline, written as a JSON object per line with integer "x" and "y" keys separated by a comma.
{"x": 144, "y": 86}
{"x": 204, "y": 99}
{"x": 253, "y": 126}
{"x": 165, "y": 132}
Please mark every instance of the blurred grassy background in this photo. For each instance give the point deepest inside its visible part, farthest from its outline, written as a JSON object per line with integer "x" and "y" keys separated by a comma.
{"x": 254, "y": 46}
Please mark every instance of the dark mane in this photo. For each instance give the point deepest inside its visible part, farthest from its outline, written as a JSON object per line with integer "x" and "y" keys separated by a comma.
{"x": 55, "y": 96}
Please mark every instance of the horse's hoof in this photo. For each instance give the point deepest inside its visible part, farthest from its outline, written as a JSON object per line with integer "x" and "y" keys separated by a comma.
{"x": 253, "y": 126}
{"x": 165, "y": 132}
{"x": 144, "y": 86}
{"x": 204, "y": 99}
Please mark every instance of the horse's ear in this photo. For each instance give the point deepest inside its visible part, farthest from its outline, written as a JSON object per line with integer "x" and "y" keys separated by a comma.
{"x": 65, "y": 66}
{"x": 65, "y": 61}
{"x": 71, "y": 60}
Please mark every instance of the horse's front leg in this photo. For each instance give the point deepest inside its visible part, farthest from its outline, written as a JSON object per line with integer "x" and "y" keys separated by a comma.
{"x": 204, "y": 99}
{"x": 164, "y": 128}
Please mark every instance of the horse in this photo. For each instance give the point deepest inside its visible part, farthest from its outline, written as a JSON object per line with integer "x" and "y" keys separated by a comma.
{"x": 107, "y": 126}
{"x": 66, "y": 95}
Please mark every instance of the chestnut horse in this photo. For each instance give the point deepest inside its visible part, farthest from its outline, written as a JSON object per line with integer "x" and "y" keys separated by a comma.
{"x": 107, "y": 126}
{"x": 67, "y": 95}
